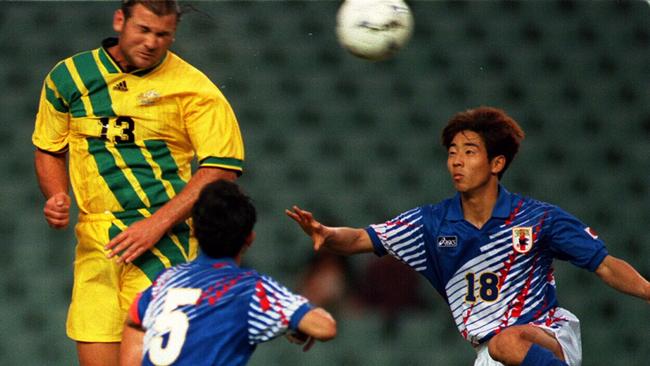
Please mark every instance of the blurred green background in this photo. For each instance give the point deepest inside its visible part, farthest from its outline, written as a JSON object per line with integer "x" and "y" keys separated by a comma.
{"x": 357, "y": 142}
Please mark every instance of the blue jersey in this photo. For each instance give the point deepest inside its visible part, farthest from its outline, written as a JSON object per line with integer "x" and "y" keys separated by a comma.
{"x": 497, "y": 276}
{"x": 212, "y": 312}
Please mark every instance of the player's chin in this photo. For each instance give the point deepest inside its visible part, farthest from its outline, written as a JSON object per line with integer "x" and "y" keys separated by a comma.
{"x": 144, "y": 64}
{"x": 460, "y": 187}
{"x": 145, "y": 61}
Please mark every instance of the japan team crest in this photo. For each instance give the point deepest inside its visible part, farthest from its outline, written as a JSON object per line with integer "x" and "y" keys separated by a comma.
{"x": 522, "y": 239}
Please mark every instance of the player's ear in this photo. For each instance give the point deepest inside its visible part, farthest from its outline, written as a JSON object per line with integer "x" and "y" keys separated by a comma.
{"x": 118, "y": 20}
{"x": 498, "y": 163}
{"x": 249, "y": 239}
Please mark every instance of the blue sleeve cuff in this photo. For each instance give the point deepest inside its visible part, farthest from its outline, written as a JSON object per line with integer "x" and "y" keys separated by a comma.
{"x": 380, "y": 251}
{"x": 299, "y": 314}
{"x": 141, "y": 303}
{"x": 597, "y": 259}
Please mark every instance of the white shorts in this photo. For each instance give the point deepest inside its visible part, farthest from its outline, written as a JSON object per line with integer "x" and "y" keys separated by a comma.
{"x": 563, "y": 324}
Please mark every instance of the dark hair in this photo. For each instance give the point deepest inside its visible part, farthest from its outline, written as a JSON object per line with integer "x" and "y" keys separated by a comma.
{"x": 501, "y": 134}
{"x": 223, "y": 216}
{"x": 158, "y": 7}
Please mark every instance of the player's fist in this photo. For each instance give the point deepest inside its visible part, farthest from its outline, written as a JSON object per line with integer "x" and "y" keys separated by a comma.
{"x": 300, "y": 338}
{"x": 57, "y": 210}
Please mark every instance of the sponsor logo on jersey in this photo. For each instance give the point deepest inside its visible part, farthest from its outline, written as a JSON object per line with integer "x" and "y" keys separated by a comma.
{"x": 447, "y": 241}
{"x": 591, "y": 232}
{"x": 121, "y": 86}
{"x": 149, "y": 97}
{"x": 522, "y": 239}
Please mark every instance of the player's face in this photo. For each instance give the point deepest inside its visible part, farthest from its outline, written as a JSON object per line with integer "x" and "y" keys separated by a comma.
{"x": 144, "y": 37}
{"x": 468, "y": 163}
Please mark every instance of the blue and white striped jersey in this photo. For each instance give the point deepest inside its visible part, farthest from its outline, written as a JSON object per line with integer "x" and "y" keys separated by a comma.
{"x": 497, "y": 276}
{"x": 212, "y": 312}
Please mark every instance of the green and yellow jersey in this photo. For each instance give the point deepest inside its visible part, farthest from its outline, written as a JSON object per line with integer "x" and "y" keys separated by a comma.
{"x": 132, "y": 138}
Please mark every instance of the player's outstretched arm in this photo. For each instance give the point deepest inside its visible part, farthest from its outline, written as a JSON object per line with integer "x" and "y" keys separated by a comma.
{"x": 621, "y": 276}
{"x": 317, "y": 324}
{"x": 144, "y": 234}
{"x": 339, "y": 240}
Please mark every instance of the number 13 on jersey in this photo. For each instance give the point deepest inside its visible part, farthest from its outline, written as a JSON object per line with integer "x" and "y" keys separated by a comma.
{"x": 119, "y": 129}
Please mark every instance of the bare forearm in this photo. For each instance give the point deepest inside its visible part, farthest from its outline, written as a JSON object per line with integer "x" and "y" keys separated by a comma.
{"x": 621, "y": 276}
{"x": 180, "y": 207}
{"x": 346, "y": 241}
{"x": 318, "y": 323}
{"x": 52, "y": 172}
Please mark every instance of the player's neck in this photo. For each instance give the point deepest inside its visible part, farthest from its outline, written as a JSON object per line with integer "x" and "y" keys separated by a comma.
{"x": 479, "y": 203}
{"x": 118, "y": 57}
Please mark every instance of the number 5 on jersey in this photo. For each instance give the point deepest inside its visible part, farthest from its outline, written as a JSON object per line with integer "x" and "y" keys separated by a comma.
{"x": 174, "y": 322}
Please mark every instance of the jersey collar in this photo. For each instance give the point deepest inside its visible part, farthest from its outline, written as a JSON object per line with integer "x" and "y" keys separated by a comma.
{"x": 113, "y": 67}
{"x": 215, "y": 262}
{"x": 501, "y": 209}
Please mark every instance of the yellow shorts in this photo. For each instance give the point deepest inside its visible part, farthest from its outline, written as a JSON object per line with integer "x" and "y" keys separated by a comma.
{"x": 103, "y": 290}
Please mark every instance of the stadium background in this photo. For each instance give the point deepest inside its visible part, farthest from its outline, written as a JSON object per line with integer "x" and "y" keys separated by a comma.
{"x": 357, "y": 142}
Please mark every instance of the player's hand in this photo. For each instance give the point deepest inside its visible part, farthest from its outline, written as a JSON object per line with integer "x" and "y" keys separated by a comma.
{"x": 57, "y": 210}
{"x": 300, "y": 338}
{"x": 135, "y": 240}
{"x": 309, "y": 225}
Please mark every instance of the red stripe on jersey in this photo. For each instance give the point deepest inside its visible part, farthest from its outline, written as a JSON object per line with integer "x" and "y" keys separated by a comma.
{"x": 133, "y": 310}
{"x": 465, "y": 319}
{"x": 538, "y": 227}
{"x": 514, "y": 213}
{"x": 216, "y": 291}
{"x": 260, "y": 291}
{"x": 516, "y": 307}
{"x": 280, "y": 310}
{"x": 507, "y": 265}
{"x": 398, "y": 223}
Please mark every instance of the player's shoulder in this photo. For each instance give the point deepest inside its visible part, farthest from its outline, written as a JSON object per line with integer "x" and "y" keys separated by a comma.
{"x": 270, "y": 284}
{"x": 265, "y": 278}
{"x": 438, "y": 209}
{"x": 532, "y": 206}
{"x": 521, "y": 200}
{"x": 70, "y": 59}
{"x": 179, "y": 64}
{"x": 426, "y": 215}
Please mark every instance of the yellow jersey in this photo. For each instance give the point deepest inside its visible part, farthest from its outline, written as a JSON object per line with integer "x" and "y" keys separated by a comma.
{"x": 132, "y": 136}
{"x": 131, "y": 139}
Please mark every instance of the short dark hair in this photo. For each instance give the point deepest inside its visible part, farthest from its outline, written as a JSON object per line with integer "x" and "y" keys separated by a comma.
{"x": 223, "y": 217}
{"x": 501, "y": 134}
{"x": 158, "y": 7}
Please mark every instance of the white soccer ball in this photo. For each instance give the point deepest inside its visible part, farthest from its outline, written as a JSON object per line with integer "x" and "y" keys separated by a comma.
{"x": 374, "y": 29}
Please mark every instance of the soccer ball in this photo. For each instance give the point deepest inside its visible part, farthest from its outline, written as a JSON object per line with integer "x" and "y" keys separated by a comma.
{"x": 374, "y": 29}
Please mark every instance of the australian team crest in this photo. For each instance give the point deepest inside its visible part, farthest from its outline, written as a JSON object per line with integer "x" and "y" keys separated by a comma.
{"x": 522, "y": 239}
{"x": 149, "y": 97}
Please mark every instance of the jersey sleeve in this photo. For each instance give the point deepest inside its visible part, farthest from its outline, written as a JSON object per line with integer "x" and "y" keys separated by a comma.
{"x": 273, "y": 309}
{"x": 52, "y": 119}
{"x": 139, "y": 306}
{"x": 401, "y": 237}
{"x": 576, "y": 242}
{"x": 214, "y": 130}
